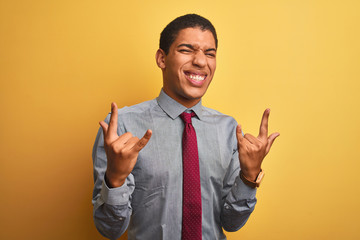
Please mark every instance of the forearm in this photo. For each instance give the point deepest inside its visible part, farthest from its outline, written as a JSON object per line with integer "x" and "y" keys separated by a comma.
{"x": 111, "y": 221}
{"x": 239, "y": 204}
{"x": 112, "y": 210}
{"x": 112, "y": 206}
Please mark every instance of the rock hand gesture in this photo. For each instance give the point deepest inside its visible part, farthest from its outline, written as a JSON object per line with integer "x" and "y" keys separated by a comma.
{"x": 252, "y": 150}
{"x": 121, "y": 151}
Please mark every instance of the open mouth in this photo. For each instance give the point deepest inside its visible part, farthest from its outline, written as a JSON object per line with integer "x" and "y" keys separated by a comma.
{"x": 195, "y": 77}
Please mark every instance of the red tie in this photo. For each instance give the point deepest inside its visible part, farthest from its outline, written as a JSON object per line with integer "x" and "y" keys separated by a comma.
{"x": 191, "y": 218}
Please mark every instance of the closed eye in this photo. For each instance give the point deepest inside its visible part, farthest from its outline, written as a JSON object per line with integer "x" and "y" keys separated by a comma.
{"x": 184, "y": 50}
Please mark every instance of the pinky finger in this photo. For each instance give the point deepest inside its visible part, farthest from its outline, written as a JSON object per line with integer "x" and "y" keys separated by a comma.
{"x": 104, "y": 127}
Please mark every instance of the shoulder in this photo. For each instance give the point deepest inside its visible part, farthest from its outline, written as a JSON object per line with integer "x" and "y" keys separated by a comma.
{"x": 138, "y": 108}
{"x": 218, "y": 117}
{"x": 225, "y": 126}
{"x": 134, "y": 118}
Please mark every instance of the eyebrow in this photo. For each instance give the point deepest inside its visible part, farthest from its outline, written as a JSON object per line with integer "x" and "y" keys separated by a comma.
{"x": 192, "y": 47}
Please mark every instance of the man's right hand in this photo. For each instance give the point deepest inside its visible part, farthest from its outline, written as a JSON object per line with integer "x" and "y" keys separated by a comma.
{"x": 121, "y": 151}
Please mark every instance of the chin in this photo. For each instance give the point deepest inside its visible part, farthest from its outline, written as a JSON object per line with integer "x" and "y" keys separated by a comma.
{"x": 195, "y": 94}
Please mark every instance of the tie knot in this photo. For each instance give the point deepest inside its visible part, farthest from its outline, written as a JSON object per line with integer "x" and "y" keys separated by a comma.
{"x": 186, "y": 117}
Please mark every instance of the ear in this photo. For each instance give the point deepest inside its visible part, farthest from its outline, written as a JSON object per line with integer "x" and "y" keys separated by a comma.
{"x": 160, "y": 58}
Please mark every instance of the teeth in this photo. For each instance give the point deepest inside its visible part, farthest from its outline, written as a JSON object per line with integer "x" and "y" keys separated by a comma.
{"x": 197, "y": 77}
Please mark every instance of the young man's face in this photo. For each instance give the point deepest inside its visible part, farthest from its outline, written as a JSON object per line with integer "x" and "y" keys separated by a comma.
{"x": 189, "y": 66}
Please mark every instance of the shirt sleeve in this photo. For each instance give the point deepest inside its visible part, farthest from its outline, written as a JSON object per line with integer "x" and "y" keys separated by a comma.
{"x": 112, "y": 206}
{"x": 239, "y": 199}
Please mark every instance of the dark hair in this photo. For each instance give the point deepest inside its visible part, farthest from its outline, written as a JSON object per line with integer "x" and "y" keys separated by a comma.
{"x": 170, "y": 32}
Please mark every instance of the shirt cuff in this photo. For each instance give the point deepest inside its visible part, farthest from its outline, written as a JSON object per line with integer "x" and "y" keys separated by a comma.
{"x": 115, "y": 196}
{"x": 242, "y": 191}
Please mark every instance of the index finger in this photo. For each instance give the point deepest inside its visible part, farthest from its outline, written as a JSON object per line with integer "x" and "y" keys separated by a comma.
{"x": 264, "y": 124}
{"x": 113, "y": 119}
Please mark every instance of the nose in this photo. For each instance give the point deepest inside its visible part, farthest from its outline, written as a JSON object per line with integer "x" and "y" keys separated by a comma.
{"x": 199, "y": 59}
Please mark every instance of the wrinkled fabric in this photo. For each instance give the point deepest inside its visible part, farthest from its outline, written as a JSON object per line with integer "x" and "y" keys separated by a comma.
{"x": 149, "y": 204}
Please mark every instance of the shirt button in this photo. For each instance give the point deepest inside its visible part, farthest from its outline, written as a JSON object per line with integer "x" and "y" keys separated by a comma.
{"x": 124, "y": 195}
{"x": 227, "y": 207}
{"x": 121, "y": 219}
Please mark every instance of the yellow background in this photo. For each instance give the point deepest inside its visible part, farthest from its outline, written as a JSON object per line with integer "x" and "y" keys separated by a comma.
{"x": 63, "y": 62}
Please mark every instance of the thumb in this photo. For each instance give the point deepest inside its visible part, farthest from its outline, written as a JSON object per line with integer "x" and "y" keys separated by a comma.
{"x": 239, "y": 133}
{"x": 271, "y": 140}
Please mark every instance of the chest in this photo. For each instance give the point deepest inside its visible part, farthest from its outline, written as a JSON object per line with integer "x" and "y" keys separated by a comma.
{"x": 160, "y": 163}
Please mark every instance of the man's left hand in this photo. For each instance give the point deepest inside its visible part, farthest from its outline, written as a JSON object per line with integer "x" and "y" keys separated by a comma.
{"x": 252, "y": 150}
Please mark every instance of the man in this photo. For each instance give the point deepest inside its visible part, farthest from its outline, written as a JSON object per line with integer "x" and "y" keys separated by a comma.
{"x": 182, "y": 179}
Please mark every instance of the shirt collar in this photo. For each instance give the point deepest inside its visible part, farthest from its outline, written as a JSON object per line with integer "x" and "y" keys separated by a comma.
{"x": 173, "y": 108}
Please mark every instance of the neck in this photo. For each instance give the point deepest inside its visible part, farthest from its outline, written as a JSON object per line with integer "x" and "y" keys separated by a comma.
{"x": 188, "y": 103}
